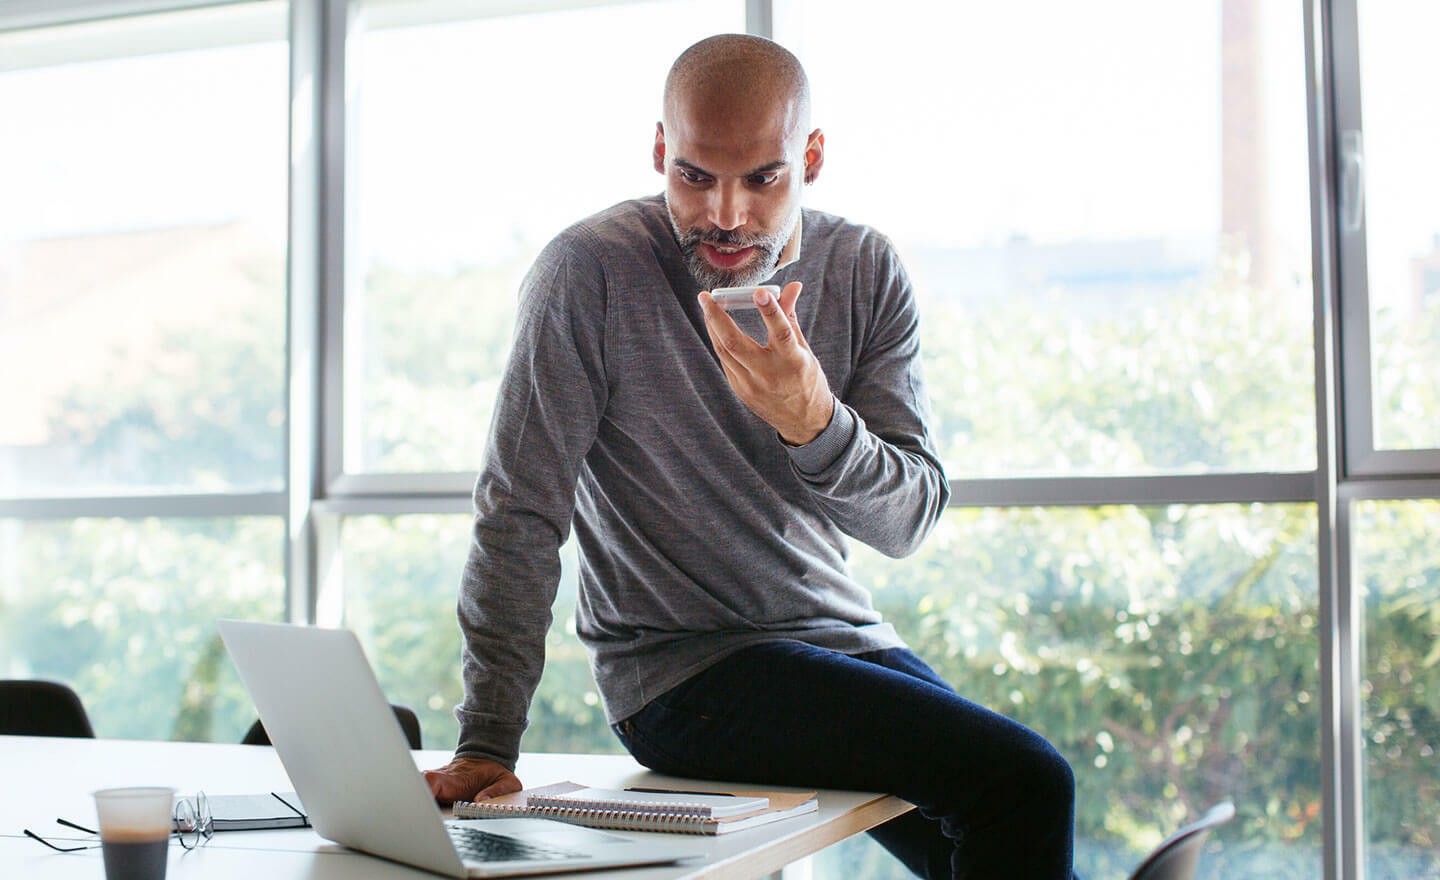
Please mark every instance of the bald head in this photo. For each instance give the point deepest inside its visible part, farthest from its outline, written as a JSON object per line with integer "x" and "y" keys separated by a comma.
{"x": 732, "y": 73}
{"x": 736, "y": 149}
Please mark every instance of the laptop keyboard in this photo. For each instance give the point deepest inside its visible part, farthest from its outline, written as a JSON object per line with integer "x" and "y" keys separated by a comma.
{"x": 476, "y": 845}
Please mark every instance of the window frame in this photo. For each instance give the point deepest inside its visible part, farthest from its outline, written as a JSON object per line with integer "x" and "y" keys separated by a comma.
{"x": 22, "y": 15}
{"x": 1362, "y": 458}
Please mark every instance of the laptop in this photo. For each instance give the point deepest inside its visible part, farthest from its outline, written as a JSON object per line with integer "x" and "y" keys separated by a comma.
{"x": 347, "y": 758}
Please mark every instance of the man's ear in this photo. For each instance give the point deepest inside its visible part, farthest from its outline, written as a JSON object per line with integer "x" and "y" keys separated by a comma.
{"x": 659, "y": 153}
{"x": 814, "y": 155}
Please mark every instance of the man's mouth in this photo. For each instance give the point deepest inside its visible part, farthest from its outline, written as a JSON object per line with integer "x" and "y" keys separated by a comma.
{"x": 725, "y": 256}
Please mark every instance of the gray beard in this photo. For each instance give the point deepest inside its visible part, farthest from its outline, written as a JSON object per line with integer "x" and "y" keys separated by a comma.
{"x": 767, "y": 248}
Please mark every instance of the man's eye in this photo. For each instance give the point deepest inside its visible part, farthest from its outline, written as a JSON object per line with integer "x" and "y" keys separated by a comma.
{"x": 690, "y": 176}
{"x": 763, "y": 179}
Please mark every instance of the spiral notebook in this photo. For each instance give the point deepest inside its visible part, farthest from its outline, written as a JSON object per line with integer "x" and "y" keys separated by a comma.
{"x": 644, "y": 810}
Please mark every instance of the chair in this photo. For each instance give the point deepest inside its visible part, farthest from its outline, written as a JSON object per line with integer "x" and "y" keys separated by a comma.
{"x": 409, "y": 725}
{"x": 1177, "y": 855}
{"x": 30, "y": 707}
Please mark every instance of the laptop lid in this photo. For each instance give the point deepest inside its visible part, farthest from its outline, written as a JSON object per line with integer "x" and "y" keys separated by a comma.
{"x": 345, "y": 754}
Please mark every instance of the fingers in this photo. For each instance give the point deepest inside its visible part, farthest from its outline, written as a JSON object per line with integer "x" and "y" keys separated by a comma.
{"x": 448, "y": 786}
{"x": 725, "y": 334}
{"x": 505, "y": 786}
{"x": 781, "y": 324}
{"x": 444, "y": 787}
{"x": 788, "y": 297}
{"x": 778, "y": 323}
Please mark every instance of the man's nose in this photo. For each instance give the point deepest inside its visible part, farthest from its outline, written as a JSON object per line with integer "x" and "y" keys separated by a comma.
{"x": 728, "y": 208}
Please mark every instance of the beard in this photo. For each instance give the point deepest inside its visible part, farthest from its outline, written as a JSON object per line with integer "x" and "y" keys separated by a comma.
{"x": 761, "y": 265}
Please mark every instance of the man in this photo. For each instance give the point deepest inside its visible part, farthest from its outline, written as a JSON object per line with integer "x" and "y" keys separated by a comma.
{"x": 713, "y": 480}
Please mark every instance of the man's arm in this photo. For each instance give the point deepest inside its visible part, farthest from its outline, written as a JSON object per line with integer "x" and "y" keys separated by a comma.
{"x": 868, "y": 458}
{"x": 545, "y": 420}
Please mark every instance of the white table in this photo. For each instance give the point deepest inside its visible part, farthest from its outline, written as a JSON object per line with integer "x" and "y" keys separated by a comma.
{"x": 44, "y": 778}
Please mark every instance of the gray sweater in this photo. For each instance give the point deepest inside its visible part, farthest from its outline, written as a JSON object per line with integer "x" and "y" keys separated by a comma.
{"x": 699, "y": 530}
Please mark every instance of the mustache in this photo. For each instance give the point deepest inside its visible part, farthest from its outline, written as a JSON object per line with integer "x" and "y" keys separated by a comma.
{"x": 728, "y": 238}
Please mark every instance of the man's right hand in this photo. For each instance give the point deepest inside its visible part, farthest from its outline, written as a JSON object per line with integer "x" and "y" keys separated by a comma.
{"x": 471, "y": 779}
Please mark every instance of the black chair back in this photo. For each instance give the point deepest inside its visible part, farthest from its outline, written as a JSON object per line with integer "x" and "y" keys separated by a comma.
{"x": 30, "y": 707}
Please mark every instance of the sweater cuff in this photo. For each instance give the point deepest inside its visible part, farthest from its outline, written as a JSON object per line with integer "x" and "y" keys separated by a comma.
{"x": 483, "y": 737}
{"x": 817, "y": 455}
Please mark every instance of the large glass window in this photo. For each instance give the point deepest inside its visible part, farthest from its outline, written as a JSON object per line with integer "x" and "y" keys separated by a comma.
{"x": 476, "y": 142}
{"x": 142, "y": 254}
{"x": 124, "y": 612}
{"x": 1105, "y": 209}
{"x": 1168, "y": 652}
{"x": 1397, "y": 571}
{"x": 1102, "y": 208}
{"x": 1398, "y": 69}
{"x": 142, "y": 345}
{"x": 401, "y": 579}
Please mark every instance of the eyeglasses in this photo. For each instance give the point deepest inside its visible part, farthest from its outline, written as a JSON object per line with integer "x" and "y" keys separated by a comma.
{"x": 194, "y": 826}
{"x": 68, "y": 824}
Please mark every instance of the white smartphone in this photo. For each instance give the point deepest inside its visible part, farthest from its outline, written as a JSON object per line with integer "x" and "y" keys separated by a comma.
{"x": 729, "y": 298}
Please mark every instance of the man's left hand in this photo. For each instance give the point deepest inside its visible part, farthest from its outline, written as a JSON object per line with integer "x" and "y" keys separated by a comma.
{"x": 780, "y": 381}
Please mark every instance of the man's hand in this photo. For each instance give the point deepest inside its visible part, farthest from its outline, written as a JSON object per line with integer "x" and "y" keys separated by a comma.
{"x": 471, "y": 779}
{"x": 780, "y": 381}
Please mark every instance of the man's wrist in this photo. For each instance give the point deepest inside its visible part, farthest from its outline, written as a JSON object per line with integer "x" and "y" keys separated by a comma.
{"x": 817, "y": 456}
{"x": 824, "y": 415}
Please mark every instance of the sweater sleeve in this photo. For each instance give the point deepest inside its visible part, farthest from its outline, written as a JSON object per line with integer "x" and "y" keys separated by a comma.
{"x": 874, "y": 469}
{"x": 545, "y": 420}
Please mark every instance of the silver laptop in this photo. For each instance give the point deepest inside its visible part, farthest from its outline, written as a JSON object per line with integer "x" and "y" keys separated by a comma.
{"x": 347, "y": 758}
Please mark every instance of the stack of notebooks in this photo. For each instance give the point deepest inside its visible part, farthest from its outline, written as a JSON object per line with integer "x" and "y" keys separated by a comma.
{"x": 644, "y": 809}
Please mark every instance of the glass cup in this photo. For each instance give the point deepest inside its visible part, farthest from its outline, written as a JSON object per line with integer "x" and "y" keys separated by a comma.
{"x": 135, "y": 831}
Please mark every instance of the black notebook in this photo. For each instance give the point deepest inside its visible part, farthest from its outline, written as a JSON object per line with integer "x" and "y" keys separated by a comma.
{"x": 255, "y": 812}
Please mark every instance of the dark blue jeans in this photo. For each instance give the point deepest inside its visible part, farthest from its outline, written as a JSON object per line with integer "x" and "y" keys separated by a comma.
{"x": 995, "y": 799}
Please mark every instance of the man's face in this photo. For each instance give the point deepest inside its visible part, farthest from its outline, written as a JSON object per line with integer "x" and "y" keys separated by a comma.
{"x": 733, "y": 176}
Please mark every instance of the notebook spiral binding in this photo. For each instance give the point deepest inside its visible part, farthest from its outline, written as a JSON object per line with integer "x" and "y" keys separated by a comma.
{"x": 656, "y": 817}
{"x": 639, "y": 808}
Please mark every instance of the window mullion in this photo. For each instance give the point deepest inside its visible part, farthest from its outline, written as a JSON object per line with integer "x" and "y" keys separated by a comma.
{"x": 1329, "y": 25}
{"x": 316, "y": 102}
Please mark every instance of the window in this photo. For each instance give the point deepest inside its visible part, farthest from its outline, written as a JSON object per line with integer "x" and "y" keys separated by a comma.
{"x": 124, "y": 610}
{"x": 457, "y": 178}
{"x": 401, "y": 579}
{"x": 142, "y": 255}
{"x": 1398, "y": 573}
{"x": 142, "y": 345}
{"x": 1125, "y": 223}
{"x": 1167, "y": 651}
{"x": 1103, "y": 215}
{"x": 1391, "y": 238}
